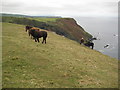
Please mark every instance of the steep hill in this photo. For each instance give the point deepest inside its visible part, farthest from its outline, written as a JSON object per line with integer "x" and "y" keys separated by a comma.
{"x": 70, "y": 26}
{"x": 61, "y": 63}
{"x": 63, "y": 26}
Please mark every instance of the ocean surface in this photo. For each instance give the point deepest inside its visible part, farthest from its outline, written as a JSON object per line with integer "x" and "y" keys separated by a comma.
{"x": 105, "y": 29}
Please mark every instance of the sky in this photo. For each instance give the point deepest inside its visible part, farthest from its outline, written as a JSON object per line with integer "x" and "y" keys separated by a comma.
{"x": 64, "y": 8}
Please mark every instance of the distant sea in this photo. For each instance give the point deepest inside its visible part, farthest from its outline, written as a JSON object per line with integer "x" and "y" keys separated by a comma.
{"x": 105, "y": 29}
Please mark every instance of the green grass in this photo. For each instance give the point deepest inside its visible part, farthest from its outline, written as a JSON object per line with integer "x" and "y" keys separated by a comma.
{"x": 61, "y": 63}
{"x": 44, "y": 19}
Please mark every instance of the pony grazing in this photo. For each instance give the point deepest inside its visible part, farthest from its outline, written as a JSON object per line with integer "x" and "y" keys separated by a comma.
{"x": 38, "y": 34}
{"x": 88, "y": 44}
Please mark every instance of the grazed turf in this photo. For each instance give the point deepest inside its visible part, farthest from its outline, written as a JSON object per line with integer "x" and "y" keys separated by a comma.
{"x": 61, "y": 63}
{"x": 44, "y": 19}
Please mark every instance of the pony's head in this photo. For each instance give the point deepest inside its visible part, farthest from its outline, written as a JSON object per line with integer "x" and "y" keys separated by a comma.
{"x": 28, "y": 27}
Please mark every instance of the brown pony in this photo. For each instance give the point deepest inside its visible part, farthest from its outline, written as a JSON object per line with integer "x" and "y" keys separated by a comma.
{"x": 38, "y": 34}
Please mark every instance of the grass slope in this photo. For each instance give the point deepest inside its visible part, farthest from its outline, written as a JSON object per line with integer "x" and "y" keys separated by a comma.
{"x": 44, "y": 19}
{"x": 60, "y": 63}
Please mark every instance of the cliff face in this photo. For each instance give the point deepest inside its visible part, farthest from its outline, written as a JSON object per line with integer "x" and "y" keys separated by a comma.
{"x": 63, "y": 26}
{"x": 70, "y": 26}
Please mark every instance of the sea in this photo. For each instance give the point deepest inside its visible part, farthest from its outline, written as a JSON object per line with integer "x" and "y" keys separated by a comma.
{"x": 105, "y": 29}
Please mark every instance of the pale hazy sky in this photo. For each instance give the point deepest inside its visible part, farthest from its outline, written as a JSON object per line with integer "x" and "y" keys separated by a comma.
{"x": 67, "y": 8}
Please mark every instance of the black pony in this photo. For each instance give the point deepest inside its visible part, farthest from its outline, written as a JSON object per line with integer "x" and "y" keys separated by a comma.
{"x": 38, "y": 34}
{"x": 89, "y": 44}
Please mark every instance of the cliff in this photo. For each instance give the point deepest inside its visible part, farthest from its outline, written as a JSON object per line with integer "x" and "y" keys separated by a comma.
{"x": 70, "y": 26}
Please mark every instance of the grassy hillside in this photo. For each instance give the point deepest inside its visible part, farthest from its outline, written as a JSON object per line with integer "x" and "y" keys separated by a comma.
{"x": 60, "y": 63}
{"x": 46, "y": 20}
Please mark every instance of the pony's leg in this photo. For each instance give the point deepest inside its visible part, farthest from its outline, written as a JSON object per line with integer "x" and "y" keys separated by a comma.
{"x": 92, "y": 46}
{"x": 38, "y": 39}
{"x": 31, "y": 37}
{"x": 45, "y": 40}
{"x": 29, "y": 33}
{"x": 35, "y": 40}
